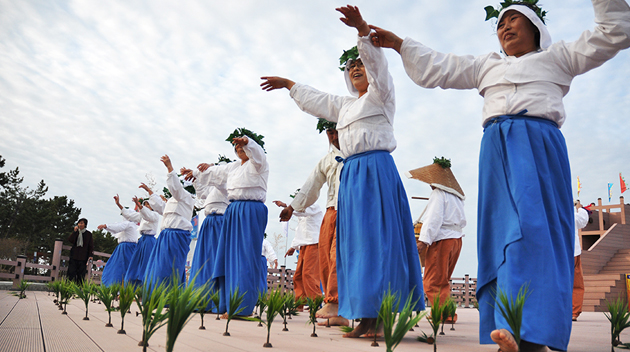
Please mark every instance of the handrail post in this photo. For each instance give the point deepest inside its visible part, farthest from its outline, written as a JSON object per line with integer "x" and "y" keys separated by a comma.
{"x": 466, "y": 291}
{"x": 601, "y": 216}
{"x": 623, "y": 211}
{"x": 88, "y": 274}
{"x": 56, "y": 260}
{"x": 19, "y": 271}
{"x": 283, "y": 278}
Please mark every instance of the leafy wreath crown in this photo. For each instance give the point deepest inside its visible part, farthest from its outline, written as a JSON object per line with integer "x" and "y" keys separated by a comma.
{"x": 295, "y": 193}
{"x": 443, "y": 162}
{"x": 492, "y": 12}
{"x": 323, "y": 125}
{"x": 223, "y": 158}
{"x": 351, "y": 54}
{"x": 240, "y": 132}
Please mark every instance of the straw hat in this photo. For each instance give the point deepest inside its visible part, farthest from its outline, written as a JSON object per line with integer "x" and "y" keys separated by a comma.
{"x": 438, "y": 175}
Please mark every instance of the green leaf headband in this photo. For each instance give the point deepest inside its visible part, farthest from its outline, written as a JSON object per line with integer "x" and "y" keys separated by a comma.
{"x": 223, "y": 158}
{"x": 323, "y": 125}
{"x": 443, "y": 162}
{"x": 351, "y": 54}
{"x": 240, "y": 132}
{"x": 295, "y": 193}
{"x": 494, "y": 12}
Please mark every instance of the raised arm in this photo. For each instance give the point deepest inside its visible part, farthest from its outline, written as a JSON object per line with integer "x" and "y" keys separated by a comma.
{"x": 131, "y": 215}
{"x": 254, "y": 152}
{"x": 352, "y": 18}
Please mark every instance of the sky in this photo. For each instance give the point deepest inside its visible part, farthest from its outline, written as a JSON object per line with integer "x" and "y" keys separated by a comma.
{"x": 93, "y": 93}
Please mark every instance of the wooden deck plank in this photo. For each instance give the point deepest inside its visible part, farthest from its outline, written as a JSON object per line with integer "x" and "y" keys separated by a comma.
{"x": 60, "y": 331}
{"x": 20, "y": 329}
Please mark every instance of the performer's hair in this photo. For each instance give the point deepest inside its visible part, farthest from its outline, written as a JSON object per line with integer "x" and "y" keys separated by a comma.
{"x": 84, "y": 220}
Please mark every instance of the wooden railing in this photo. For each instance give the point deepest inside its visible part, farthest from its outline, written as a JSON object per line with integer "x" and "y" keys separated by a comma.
{"x": 280, "y": 278}
{"x": 463, "y": 291}
{"x": 601, "y": 209}
{"x": 57, "y": 266}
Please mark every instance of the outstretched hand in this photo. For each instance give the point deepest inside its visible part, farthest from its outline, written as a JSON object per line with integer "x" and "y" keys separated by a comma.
{"x": 187, "y": 173}
{"x": 352, "y": 18}
{"x": 203, "y": 167}
{"x": 240, "y": 141}
{"x": 286, "y": 214}
{"x": 167, "y": 162}
{"x": 137, "y": 201}
{"x": 279, "y": 203}
{"x": 117, "y": 200}
{"x": 385, "y": 39}
{"x": 273, "y": 82}
{"x": 146, "y": 188}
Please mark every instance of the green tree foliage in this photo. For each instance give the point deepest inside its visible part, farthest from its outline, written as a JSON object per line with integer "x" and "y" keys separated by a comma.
{"x": 26, "y": 215}
{"x": 104, "y": 241}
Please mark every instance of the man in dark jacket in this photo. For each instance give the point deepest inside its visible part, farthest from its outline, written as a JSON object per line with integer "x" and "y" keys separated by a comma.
{"x": 82, "y": 251}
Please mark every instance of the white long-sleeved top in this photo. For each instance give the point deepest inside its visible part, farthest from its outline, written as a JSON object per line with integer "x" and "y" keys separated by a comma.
{"x": 268, "y": 252}
{"x": 149, "y": 220}
{"x": 125, "y": 231}
{"x": 157, "y": 203}
{"x": 535, "y": 82}
{"x": 444, "y": 217}
{"x": 213, "y": 194}
{"x": 309, "y": 222}
{"x": 246, "y": 181}
{"x": 326, "y": 171}
{"x": 179, "y": 208}
{"x": 581, "y": 219}
{"x": 364, "y": 123}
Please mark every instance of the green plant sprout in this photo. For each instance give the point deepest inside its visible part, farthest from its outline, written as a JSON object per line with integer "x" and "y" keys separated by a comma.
{"x": 22, "y": 288}
{"x": 126, "y": 296}
{"x": 182, "y": 301}
{"x": 387, "y": 316}
{"x": 512, "y": 309}
{"x": 66, "y": 290}
{"x": 262, "y": 305}
{"x": 84, "y": 292}
{"x": 233, "y": 309}
{"x": 274, "y": 303}
{"x": 151, "y": 300}
{"x": 313, "y": 306}
{"x": 619, "y": 318}
{"x": 107, "y": 294}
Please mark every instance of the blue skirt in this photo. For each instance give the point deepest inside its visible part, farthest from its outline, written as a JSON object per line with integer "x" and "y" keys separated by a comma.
{"x": 376, "y": 246}
{"x": 525, "y": 228}
{"x": 202, "y": 265}
{"x": 118, "y": 263}
{"x": 168, "y": 258}
{"x": 238, "y": 263}
{"x": 264, "y": 273}
{"x": 140, "y": 259}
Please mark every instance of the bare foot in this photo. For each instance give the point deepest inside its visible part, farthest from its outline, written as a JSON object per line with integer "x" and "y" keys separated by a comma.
{"x": 379, "y": 331}
{"x": 335, "y": 321}
{"x": 505, "y": 340}
{"x": 362, "y": 328}
{"x": 329, "y": 310}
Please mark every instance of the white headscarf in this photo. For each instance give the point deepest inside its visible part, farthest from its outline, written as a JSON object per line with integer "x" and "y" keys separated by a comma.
{"x": 346, "y": 74}
{"x": 545, "y": 37}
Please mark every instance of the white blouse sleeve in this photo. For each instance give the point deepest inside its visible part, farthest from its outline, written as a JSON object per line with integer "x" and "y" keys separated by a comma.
{"x": 592, "y": 49}
{"x": 176, "y": 188}
{"x": 429, "y": 68}
{"x": 317, "y": 103}
{"x": 118, "y": 227}
{"x": 148, "y": 215}
{"x": 375, "y": 63}
{"x": 131, "y": 215}
{"x": 256, "y": 155}
{"x": 309, "y": 192}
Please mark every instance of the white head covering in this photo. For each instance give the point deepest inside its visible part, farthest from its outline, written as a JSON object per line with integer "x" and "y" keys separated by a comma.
{"x": 545, "y": 37}
{"x": 346, "y": 74}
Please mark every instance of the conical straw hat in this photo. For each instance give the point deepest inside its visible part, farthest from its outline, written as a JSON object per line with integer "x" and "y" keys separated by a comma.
{"x": 438, "y": 177}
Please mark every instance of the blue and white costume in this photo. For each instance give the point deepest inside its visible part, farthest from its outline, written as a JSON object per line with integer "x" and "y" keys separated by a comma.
{"x": 213, "y": 196}
{"x": 525, "y": 222}
{"x": 376, "y": 247}
{"x": 238, "y": 263}
{"x": 168, "y": 257}
{"x": 127, "y": 234}
{"x": 149, "y": 225}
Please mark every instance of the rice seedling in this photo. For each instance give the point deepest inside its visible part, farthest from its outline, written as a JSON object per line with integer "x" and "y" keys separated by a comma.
{"x": 151, "y": 300}
{"x": 66, "y": 290}
{"x": 435, "y": 319}
{"x": 387, "y": 316}
{"x": 290, "y": 307}
{"x": 233, "y": 309}
{"x": 619, "y": 318}
{"x": 106, "y": 295}
{"x": 313, "y": 306}
{"x": 22, "y": 288}
{"x": 262, "y": 305}
{"x": 512, "y": 309}
{"x": 274, "y": 301}
{"x": 126, "y": 295}
{"x": 182, "y": 301}
{"x": 204, "y": 307}
{"x": 84, "y": 292}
